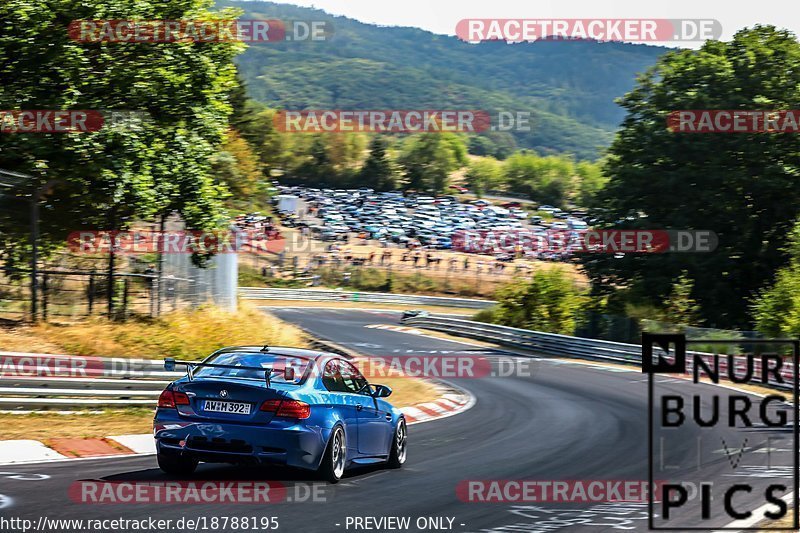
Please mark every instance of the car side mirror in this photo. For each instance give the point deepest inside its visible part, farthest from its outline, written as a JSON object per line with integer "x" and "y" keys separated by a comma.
{"x": 382, "y": 391}
{"x": 288, "y": 373}
{"x": 169, "y": 364}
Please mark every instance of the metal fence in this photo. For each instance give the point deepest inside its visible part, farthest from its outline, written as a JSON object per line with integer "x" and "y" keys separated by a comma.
{"x": 551, "y": 344}
{"x": 136, "y": 288}
{"x": 319, "y": 295}
{"x": 39, "y": 382}
{"x": 75, "y": 293}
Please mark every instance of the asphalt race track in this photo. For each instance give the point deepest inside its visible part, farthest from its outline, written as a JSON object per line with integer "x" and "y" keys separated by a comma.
{"x": 566, "y": 422}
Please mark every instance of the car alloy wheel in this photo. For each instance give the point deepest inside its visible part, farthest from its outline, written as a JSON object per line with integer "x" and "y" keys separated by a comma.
{"x": 397, "y": 455}
{"x": 338, "y": 453}
{"x": 401, "y": 441}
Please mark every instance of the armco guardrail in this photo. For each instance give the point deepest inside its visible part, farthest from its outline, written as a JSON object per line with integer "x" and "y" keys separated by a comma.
{"x": 318, "y": 295}
{"x": 32, "y": 381}
{"x": 549, "y": 343}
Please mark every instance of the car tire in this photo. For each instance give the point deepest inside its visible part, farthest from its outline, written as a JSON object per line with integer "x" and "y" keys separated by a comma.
{"x": 177, "y": 464}
{"x": 399, "y": 451}
{"x": 335, "y": 459}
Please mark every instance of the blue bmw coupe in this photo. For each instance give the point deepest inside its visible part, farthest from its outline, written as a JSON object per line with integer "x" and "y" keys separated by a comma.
{"x": 299, "y": 408}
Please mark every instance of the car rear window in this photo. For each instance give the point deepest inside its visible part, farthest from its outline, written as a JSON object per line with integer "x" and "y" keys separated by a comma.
{"x": 257, "y": 360}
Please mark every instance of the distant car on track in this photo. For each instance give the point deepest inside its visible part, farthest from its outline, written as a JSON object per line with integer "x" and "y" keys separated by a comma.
{"x": 299, "y": 408}
{"x": 413, "y": 313}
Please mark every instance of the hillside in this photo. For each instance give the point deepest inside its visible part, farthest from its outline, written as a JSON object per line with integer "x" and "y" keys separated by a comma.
{"x": 568, "y": 86}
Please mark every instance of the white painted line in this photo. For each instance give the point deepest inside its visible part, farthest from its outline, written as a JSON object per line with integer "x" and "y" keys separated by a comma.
{"x": 70, "y": 459}
{"x": 143, "y": 443}
{"x": 19, "y": 451}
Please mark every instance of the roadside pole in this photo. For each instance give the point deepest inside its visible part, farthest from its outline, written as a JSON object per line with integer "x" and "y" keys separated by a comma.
{"x": 35, "y": 198}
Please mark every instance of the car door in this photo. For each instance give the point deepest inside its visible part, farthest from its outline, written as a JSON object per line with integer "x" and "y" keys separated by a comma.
{"x": 374, "y": 423}
{"x": 341, "y": 398}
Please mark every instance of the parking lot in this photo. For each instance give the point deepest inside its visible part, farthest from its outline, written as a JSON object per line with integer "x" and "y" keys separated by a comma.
{"x": 417, "y": 222}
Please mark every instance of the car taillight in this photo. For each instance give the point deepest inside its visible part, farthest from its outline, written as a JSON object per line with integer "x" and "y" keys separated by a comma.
{"x": 166, "y": 400}
{"x": 287, "y": 408}
{"x": 170, "y": 399}
{"x": 181, "y": 398}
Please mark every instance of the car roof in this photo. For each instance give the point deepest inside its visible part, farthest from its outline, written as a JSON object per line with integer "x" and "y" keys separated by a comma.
{"x": 278, "y": 350}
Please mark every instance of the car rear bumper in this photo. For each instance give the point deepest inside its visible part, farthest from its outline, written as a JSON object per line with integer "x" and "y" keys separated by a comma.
{"x": 292, "y": 445}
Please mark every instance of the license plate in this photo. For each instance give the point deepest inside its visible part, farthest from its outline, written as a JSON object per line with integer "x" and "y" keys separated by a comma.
{"x": 227, "y": 407}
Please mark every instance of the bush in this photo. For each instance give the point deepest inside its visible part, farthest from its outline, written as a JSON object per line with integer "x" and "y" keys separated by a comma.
{"x": 548, "y": 302}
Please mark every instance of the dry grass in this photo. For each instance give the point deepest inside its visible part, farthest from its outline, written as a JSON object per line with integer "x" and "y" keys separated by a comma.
{"x": 786, "y": 523}
{"x": 43, "y": 426}
{"x": 179, "y": 334}
{"x": 408, "y": 391}
{"x": 23, "y": 339}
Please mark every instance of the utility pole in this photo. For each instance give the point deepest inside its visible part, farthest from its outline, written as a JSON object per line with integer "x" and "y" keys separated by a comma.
{"x": 35, "y": 198}
{"x": 161, "y": 249}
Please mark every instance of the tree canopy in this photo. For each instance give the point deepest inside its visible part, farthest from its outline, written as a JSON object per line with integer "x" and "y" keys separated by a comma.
{"x": 158, "y": 162}
{"x": 743, "y": 186}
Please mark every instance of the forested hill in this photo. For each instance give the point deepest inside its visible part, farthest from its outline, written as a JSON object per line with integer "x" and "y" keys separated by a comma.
{"x": 568, "y": 86}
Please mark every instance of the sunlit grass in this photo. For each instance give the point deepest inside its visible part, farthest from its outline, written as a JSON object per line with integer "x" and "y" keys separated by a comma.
{"x": 192, "y": 333}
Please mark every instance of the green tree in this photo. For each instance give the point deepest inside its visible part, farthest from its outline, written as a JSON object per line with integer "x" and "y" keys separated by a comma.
{"x": 179, "y": 94}
{"x": 236, "y": 166}
{"x": 377, "y": 171}
{"x": 742, "y": 186}
{"x": 316, "y": 168}
{"x": 498, "y": 144}
{"x": 680, "y": 307}
{"x": 548, "y": 180}
{"x": 278, "y": 152}
{"x": 548, "y": 302}
{"x": 590, "y": 182}
{"x": 776, "y": 309}
{"x": 484, "y": 174}
{"x": 153, "y": 164}
{"x": 428, "y": 159}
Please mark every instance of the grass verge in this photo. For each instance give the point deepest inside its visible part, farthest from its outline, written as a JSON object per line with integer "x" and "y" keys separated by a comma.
{"x": 184, "y": 334}
{"x": 180, "y": 334}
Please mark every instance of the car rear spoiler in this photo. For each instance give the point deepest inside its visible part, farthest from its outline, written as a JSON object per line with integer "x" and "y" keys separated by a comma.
{"x": 170, "y": 363}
